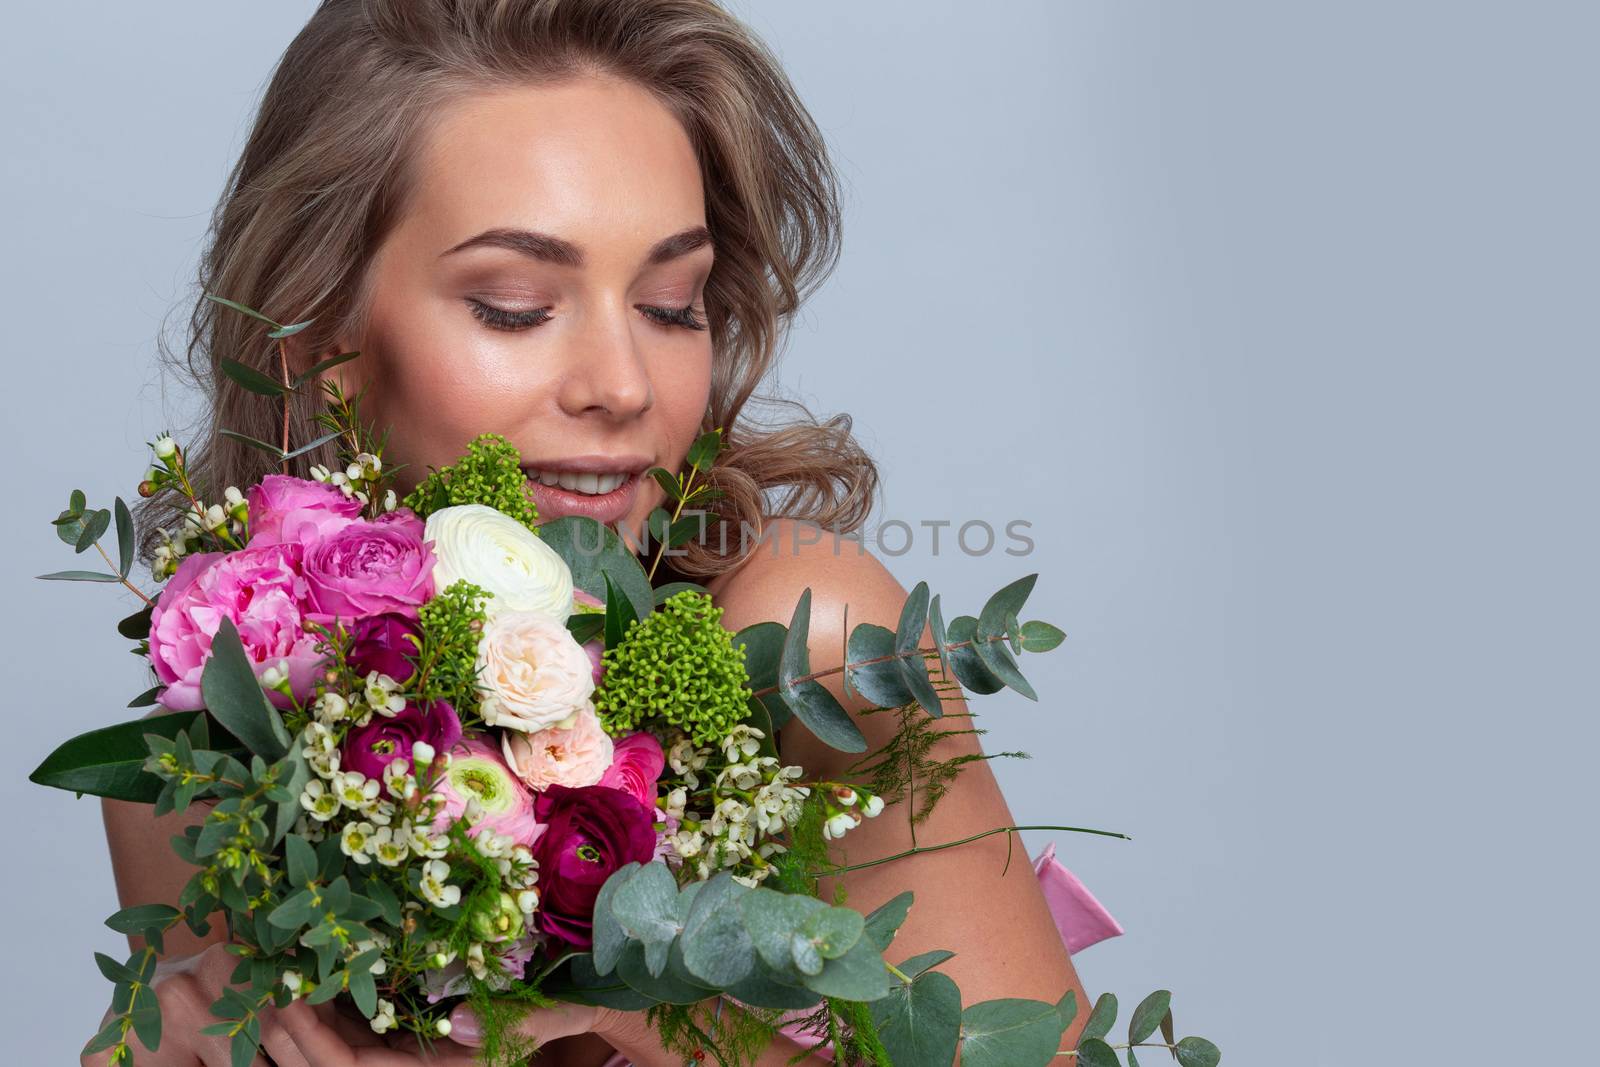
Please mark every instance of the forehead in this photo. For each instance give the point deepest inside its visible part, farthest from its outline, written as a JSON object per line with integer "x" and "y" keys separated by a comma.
{"x": 597, "y": 161}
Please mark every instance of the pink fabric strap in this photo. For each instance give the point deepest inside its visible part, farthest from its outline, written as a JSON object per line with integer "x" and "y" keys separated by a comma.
{"x": 1081, "y": 919}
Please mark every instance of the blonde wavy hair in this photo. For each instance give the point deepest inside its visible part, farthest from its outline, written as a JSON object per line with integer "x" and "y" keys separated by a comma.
{"x": 329, "y": 163}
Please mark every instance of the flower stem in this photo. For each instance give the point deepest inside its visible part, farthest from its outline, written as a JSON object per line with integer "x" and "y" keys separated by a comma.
{"x": 965, "y": 840}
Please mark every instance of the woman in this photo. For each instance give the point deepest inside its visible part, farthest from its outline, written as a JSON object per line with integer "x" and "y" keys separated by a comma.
{"x": 581, "y": 224}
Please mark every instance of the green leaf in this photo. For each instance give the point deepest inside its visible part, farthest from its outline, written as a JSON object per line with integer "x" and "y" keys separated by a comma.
{"x": 664, "y": 591}
{"x": 619, "y": 613}
{"x": 136, "y": 627}
{"x": 294, "y": 783}
{"x": 94, "y": 528}
{"x": 879, "y": 682}
{"x": 364, "y": 991}
{"x": 704, "y": 451}
{"x": 301, "y": 860}
{"x": 857, "y": 975}
{"x": 1198, "y": 1052}
{"x": 922, "y": 961}
{"x": 772, "y": 919}
{"x": 670, "y": 986}
{"x": 250, "y": 378}
{"x": 290, "y": 331}
{"x": 125, "y": 539}
{"x": 1102, "y": 1018}
{"x": 765, "y": 988}
{"x": 147, "y": 1017}
{"x": 965, "y": 663}
{"x": 833, "y": 931}
{"x": 998, "y": 614}
{"x": 109, "y": 762}
{"x": 646, "y": 908}
{"x": 907, "y": 639}
{"x": 716, "y": 947}
{"x": 242, "y": 1052}
{"x": 1096, "y": 1053}
{"x": 327, "y": 364}
{"x": 79, "y": 576}
{"x": 1010, "y": 1033}
{"x": 1040, "y": 636}
{"x": 233, "y": 695}
{"x": 1147, "y": 1016}
{"x": 609, "y": 938}
{"x": 1067, "y": 1006}
{"x": 884, "y": 920}
{"x": 668, "y": 483}
{"x": 254, "y": 314}
{"x": 109, "y": 1035}
{"x": 311, "y": 445}
{"x": 577, "y": 981}
{"x": 272, "y": 450}
{"x": 920, "y": 1024}
{"x": 810, "y": 702}
{"x": 113, "y": 970}
{"x": 586, "y": 626}
{"x": 141, "y": 917}
{"x": 593, "y": 551}
{"x": 763, "y": 650}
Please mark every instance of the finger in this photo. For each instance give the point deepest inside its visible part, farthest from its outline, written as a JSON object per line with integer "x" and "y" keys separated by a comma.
{"x": 277, "y": 1042}
{"x": 356, "y": 1031}
{"x": 318, "y": 1043}
{"x": 541, "y": 1025}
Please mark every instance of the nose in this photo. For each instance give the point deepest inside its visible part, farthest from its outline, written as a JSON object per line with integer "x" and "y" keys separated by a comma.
{"x": 607, "y": 374}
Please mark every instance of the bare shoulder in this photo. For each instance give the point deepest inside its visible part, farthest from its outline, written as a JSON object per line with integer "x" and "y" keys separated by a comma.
{"x": 795, "y": 556}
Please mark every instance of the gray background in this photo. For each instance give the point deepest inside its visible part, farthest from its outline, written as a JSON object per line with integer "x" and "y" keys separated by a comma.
{"x": 1275, "y": 320}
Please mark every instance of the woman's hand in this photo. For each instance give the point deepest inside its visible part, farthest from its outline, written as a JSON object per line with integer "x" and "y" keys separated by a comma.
{"x": 296, "y": 1036}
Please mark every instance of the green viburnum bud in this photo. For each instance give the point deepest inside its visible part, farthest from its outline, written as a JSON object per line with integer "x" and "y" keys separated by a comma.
{"x": 497, "y": 918}
{"x": 676, "y": 665}
{"x": 490, "y": 473}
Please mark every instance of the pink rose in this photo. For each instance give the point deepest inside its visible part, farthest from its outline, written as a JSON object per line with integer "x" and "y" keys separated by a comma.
{"x": 369, "y": 568}
{"x": 478, "y": 773}
{"x": 576, "y": 756}
{"x": 261, "y": 590}
{"x": 287, "y": 509}
{"x": 636, "y": 764}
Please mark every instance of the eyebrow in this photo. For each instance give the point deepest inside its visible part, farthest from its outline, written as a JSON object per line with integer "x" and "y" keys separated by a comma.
{"x": 563, "y": 253}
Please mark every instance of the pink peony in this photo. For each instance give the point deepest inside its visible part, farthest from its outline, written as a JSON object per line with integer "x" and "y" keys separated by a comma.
{"x": 261, "y": 590}
{"x": 369, "y": 568}
{"x": 576, "y": 756}
{"x": 636, "y": 764}
{"x": 477, "y": 772}
{"x": 294, "y": 510}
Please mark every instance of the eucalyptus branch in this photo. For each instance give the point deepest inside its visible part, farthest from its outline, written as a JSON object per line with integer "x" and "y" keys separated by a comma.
{"x": 136, "y": 590}
{"x": 925, "y": 653}
{"x": 966, "y": 840}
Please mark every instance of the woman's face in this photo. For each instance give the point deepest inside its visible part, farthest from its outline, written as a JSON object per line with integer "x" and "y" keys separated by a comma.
{"x": 546, "y": 283}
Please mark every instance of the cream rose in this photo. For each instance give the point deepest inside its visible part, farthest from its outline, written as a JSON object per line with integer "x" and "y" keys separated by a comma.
{"x": 492, "y": 550}
{"x": 576, "y": 756}
{"x": 534, "y": 673}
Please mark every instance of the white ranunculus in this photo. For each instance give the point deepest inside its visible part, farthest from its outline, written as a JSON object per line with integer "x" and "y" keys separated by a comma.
{"x": 534, "y": 673}
{"x": 492, "y": 550}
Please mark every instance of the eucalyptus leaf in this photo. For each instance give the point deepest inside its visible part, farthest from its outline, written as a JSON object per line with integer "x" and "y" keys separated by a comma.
{"x": 254, "y": 442}
{"x": 250, "y": 378}
{"x": 772, "y": 919}
{"x": 859, "y": 974}
{"x": 1197, "y": 1052}
{"x": 235, "y": 305}
{"x": 884, "y": 921}
{"x": 913, "y": 669}
{"x": 920, "y": 1024}
{"x": 592, "y": 551}
{"x": 716, "y": 947}
{"x": 290, "y": 331}
{"x": 79, "y": 576}
{"x": 1096, "y": 1053}
{"x": 763, "y": 650}
{"x": 1147, "y": 1016}
{"x": 1102, "y": 1018}
{"x": 609, "y": 938}
{"x": 645, "y": 907}
{"x": 922, "y": 961}
{"x": 705, "y": 449}
{"x": 879, "y": 682}
{"x": 233, "y": 696}
{"x": 312, "y": 445}
{"x": 669, "y": 986}
{"x": 327, "y": 364}
{"x": 125, "y": 539}
{"x": 1040, "y": 636}
{"x": 811, "y": 703}
{"x": 95, "y": 525}
{"x": 578, "y": 981}
{"x": 1010, "y": 1032}
{"x": 965, "y": 662}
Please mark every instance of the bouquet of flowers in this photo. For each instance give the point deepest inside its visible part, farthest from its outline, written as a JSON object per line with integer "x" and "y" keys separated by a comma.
{"x": 447, "y": 751}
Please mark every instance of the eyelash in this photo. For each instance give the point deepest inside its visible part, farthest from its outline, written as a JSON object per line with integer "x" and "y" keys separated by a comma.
{"x": 500, "y": 319}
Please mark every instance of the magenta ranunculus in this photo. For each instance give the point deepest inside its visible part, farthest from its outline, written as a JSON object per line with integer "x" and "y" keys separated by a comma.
{"x": 369, "y": 568}
{"x": 636, "y": 763}
{"x": 287, "y": 509}
{"x": 381, "y": 643}
{"x": 261, "y": 590}
{"x": 588, "y": 833}
{"x": 384, "y": 739}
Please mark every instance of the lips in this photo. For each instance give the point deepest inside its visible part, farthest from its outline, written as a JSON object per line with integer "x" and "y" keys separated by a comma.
{"x": 599, "y": 488}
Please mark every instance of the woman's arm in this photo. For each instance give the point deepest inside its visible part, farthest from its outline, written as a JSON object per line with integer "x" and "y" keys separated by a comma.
{"x": 146, "y": 869}
{"x": 998, "y": 925}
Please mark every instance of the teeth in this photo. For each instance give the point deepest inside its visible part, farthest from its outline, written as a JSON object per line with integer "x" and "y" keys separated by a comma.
{"x": 589, "y": 484}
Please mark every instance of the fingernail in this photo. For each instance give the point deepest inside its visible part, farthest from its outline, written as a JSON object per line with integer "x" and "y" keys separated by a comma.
{"x": 464, "y": 1029}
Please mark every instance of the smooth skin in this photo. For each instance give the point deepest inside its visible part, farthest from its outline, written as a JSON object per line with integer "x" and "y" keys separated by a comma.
{"x": 600, "y": 164}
